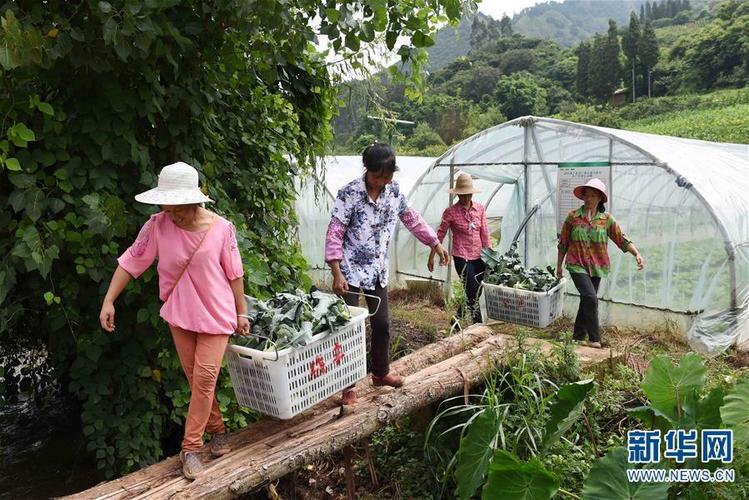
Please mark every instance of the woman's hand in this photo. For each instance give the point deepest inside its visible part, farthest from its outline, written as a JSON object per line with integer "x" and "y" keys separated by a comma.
{"x": 640, "y": 261}
{"x": 243, "y": 326}
{"x": 440, "y": 250}
{"x": 560, "y": 272}
{"x": 106, "y": 316}
{"x": 339, "y": 283}
{"x": 430, "y": 261}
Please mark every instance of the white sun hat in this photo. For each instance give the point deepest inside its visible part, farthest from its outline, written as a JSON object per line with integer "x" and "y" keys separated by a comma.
{"x": 178, "y": 185}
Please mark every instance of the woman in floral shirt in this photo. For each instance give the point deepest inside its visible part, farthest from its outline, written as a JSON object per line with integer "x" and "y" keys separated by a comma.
{"x": 364, "y": 216}
{"x": 584, "y": 240}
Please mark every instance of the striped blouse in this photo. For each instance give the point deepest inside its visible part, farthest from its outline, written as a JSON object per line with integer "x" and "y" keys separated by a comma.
{"x": 585, "y": 242}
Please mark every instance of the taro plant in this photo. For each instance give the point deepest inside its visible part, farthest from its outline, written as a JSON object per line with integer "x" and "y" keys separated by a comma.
{"x": 502, "y": 441}
{"x": 677, "y": 401}
{"x": 506, "y": 269}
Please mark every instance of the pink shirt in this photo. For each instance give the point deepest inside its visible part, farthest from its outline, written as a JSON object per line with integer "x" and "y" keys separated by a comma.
{"x": 469, "y": 227}
{"x": 203, "y": 300}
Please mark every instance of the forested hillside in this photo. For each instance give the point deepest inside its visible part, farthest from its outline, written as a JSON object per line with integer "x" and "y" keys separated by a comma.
{"x": 507, "y": 75}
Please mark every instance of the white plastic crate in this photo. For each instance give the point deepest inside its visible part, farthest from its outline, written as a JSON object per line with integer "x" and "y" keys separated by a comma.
{"x": 295, "y": 379}
{"x": 524, "y": 307}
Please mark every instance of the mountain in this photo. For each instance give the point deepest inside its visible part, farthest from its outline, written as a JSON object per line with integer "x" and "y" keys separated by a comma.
{"x": 571, "y": 21}
{"x": 451, "y": 43}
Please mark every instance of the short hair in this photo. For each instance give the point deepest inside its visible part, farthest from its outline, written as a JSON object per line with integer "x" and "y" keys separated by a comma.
{"x": 379, "y": 156}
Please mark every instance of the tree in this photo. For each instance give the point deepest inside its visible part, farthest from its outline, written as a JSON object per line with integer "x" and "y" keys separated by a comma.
{"x": 484, "y": 32}
{"x": 597, "y": 78}
{"x": 719, "y": 54}
{"x": 630, "y": 42}
{"x": 583, "y": 68}
{"x": 642, "y": 13}
{"x": 505, "y": 26}
{"x": 648, "y": 50}
{"x": 613, "y": 65}
{"x": 515, "y": 60}
{"x": 519, "y": 95}
{"x": 423, "y": 137}
{"x": 672, "y": 8}
{"x": 648, "y": 10}
{"x": 96, "y": 98}
{"x": 483, "y": 80}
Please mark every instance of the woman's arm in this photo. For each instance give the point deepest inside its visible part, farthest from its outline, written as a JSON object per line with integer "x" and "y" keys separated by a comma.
{"x": 622, "y": 241}
{"x": 560, "y": 261}
{"x": 441, "y": 232}
{"x": 564, "y": 242}
{"x": 339, "y": 280}
{"x": 636, "y": 253}
{"x": 334, "y": 253}
{"x": 237, "y": 288}
{"x": 486, "y": 241}
{"x": 120, "y": 279}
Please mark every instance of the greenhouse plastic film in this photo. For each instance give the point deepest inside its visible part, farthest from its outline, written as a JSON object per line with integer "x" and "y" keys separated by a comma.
{"x": 682, "y": 202}
{"x": 712, "y": 334}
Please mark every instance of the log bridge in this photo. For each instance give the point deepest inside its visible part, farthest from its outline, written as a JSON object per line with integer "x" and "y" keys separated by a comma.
{"x": 270, "y": 448}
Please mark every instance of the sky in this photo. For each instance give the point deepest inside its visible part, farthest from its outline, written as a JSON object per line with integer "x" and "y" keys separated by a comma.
{"x": 496, "y": 8}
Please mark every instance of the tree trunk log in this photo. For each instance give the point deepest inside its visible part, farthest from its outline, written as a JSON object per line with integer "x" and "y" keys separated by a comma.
{"x": 270, "y": 449}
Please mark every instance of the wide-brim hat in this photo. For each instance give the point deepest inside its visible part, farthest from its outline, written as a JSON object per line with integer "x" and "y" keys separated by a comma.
{"x": 594, "y": 183}
{"x": 178, "y": 185}
{"x": 464, "y": 185}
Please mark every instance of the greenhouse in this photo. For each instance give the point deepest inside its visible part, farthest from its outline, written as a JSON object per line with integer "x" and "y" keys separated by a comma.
{"x": 683, "y": 203}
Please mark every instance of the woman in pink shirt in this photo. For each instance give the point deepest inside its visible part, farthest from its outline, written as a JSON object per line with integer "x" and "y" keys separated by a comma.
{"x": 470, "y": 230}
{"x": 200, "y": 282}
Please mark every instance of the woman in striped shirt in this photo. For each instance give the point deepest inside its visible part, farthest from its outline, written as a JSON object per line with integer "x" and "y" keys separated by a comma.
{"x": 584, "y": 240}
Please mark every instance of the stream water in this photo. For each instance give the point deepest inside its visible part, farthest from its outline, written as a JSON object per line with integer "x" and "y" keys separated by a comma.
{"x": 42, "y": 451}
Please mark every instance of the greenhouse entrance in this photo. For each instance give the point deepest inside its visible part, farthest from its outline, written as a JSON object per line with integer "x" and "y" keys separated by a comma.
{"x": 683, "y": 203}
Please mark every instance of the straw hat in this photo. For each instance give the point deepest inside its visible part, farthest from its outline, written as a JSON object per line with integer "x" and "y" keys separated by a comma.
{"x": 178, "y": 185}
{"x": 464, "y": 185}
{"x": 594, "y": 183}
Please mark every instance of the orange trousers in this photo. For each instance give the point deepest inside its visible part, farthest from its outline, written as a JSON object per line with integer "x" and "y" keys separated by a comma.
{"x": 200, "y": 355}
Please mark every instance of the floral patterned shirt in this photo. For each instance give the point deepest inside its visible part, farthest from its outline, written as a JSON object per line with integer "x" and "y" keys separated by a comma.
{"x": 360, "y": 231}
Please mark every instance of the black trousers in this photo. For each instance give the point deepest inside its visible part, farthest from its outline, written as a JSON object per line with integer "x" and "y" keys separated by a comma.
{"x": 468, "y": 271}
{"x": 587, "y": 313}
{"x": 380, "y": 323}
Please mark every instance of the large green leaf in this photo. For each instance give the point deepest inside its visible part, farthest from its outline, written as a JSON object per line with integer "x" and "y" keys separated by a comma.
{"x": 566, "y": 408}
{"x": 512, "y": 479}
{"x": 735, "y": 412}
{"x": 608, "y": 480}
{"x": 652, "y": 418}
{"x": 475, "y": 452}
{"x": 664, "y": 383}
{"x": 708, "y": 409}
{"x": 491, "y": 257}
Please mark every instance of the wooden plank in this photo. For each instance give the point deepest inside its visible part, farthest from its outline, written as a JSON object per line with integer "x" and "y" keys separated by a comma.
{"x": 270, "y": 448}
{"x": 169, "y": 470}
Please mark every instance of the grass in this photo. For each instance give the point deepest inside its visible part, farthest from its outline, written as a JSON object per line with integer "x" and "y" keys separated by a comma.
{"x": 727, "y": 124}
{"x": 720, "y": 116}
{"x": 398, "y": 451}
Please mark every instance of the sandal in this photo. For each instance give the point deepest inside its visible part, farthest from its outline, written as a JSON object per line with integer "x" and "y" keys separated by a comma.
{"x": 349, "y": 397}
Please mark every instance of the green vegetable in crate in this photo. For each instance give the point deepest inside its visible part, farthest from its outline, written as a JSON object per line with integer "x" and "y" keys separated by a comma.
{"x": 291, "y": 319}
{"x": 507, "y": 270}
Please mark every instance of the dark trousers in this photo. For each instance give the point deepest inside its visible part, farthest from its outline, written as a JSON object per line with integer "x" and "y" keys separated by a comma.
{"x": 380, "y": 323}
{"x": 471, "y": 272}
{"x": 587, "y": 313}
